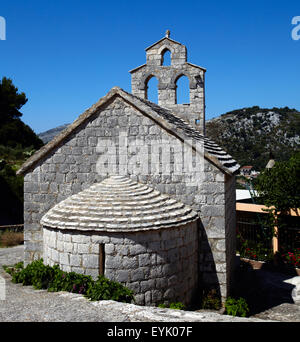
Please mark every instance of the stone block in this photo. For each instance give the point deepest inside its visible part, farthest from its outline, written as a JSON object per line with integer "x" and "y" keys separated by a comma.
{"x": 54, "y": 255}
{"x": 122, "y": 276}
{"x": 137, "y": 274}
{"x": 144, "y": 260}
{"x": 81, "y": 238}
{"x": 137, "y": 249}
{"x": 64, "y": 258}
{"x": 82, "y": 248}
{"x": 213, "y": 210}
{"x": 129, "y": 262}
{"x": 90, "y": 261}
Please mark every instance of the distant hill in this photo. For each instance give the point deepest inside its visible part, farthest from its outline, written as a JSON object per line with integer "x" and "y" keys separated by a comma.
{"x": 51, "y": 133}
{"x": 250, "y": 134}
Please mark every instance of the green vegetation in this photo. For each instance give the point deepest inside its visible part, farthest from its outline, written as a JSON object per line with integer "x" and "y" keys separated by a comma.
{"x": 11, "y": 187}
{"x": 17, "y": 143}
{"x": 53, "y": 279}
{"x": 210, "y": 300}
{"x": 236, "y": 307}
{"x": 250, "y": 134}
{"x": 279, "y": 187}
{"x": 103, "y": 288}
{"x": 279, "y": 190}
{"x": 175, "y": 306}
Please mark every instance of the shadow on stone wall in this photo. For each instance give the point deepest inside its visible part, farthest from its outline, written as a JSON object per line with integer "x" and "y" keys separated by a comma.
{"x": 209, "y": 291}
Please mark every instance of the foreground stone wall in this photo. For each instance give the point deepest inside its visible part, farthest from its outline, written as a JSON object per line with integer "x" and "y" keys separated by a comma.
{"x": 159, "y": 266}
{"x": 83, "y": 160}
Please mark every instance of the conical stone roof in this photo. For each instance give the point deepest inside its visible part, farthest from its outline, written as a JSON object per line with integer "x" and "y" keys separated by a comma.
{"x": 118, "y": 204}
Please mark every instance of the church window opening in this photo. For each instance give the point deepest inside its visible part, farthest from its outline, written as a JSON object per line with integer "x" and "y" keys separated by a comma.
{"x": 101, "y": 259}
{"x": 166, "y": 58}
{"x": 152, "y": 89}
{"x": 182, "y": 90}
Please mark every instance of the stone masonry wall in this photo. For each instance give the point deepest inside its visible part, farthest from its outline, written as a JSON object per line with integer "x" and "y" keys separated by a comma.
{"x": 159, "y": 266}
{"x": 87, "y": 157}
{"x": 167, "y": 76}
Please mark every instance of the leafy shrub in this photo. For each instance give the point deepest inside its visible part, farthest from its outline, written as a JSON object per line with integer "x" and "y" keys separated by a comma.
{"x": 175, "y": 306}
{"x": 210, "y": 300}
{"x": 12, "y": 269}
{"x": 104, "y": 289}
{"x": 69, "y": 281}
{"x": 236, "y": 307}
{"x": 36, "y": 274}
{"x": 53, "y": 279}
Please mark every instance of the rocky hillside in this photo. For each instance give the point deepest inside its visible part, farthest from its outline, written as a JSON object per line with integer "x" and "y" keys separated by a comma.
{"x": 250, "y": 134}
{"x": 51, "y": 133}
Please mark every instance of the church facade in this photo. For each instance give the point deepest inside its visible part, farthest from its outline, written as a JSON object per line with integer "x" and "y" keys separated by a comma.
{"x": 161, "y": 145}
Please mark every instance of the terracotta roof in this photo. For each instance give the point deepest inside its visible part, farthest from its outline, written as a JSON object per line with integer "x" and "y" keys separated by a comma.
{"x": 165, "y": 118}
{"x": 118, "y": 204}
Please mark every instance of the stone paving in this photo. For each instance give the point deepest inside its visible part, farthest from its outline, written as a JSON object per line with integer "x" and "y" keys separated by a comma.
{"x": 24, "y": 304}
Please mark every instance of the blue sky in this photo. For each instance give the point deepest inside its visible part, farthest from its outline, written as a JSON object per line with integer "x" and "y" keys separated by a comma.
{"x": 67, "y": 54}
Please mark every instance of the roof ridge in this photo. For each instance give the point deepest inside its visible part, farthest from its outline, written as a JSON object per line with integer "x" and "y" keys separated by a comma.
{"x": 191, "y": 131}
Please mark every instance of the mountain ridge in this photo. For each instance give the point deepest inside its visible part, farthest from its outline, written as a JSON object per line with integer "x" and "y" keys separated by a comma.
{"x": 251, "y": 134}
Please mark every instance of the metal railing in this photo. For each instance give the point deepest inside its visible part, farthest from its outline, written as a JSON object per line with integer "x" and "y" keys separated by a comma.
{"x": 12, "y": 227}
{"x": 286, "y": 235}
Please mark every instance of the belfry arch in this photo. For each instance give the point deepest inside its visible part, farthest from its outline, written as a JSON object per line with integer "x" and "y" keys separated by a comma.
{"x": 192, "y": 110}
{"x": 182, "y": 88}
{"x": 151, "y": 88}
{"x": 166, "y": 57}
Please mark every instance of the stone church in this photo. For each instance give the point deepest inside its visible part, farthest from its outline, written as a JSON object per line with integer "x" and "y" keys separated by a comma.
{"x": 136, "y": 191}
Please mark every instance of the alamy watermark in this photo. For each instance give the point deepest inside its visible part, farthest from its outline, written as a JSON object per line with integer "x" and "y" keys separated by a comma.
{"x": 125, "y": 155}
{"x": 2, "y": 288}
{"x": 2, "y": 28}
{"x": 296, "y": 30}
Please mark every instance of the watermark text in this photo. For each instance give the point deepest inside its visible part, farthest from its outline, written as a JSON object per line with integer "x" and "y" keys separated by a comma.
{"x": 2, "y": 28}
{"x": 296, "y": 30}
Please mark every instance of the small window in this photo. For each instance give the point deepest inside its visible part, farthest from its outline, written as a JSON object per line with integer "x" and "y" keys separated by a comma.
{"x": 182, "y": 90}
{"x": 152, "y": 89}
{"x": 101, "y": 259}
{"x": 166, "y": 58}
{"x": 197, "y": 121}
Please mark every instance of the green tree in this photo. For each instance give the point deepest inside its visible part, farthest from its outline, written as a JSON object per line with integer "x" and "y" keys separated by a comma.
{"x": 279, "y": 187}
{"x": 13, "y": 131}
{"x": 17, "y": 142}
{"x": 10, "y": 101}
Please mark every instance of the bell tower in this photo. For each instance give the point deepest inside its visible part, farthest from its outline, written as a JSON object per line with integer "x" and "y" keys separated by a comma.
{"x": 167, "y": 76}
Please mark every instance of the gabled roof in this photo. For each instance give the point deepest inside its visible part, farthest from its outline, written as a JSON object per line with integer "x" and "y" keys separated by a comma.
{"x": 164, "y": 38}
{"x": 165, "y": 118}
{"x": 139, "y": 67}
